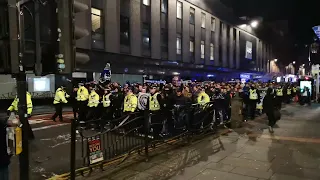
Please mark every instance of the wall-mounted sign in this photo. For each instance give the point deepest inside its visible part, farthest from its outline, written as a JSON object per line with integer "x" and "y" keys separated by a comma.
{"x": 245, "y": 76}
{"x": 248, "y": 50}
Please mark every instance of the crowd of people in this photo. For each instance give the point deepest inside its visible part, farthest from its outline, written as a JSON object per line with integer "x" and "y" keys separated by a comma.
{"x": 92, "y": 101}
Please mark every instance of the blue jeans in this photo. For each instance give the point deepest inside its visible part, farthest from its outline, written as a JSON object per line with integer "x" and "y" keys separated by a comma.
{"x": 4, "y": 173}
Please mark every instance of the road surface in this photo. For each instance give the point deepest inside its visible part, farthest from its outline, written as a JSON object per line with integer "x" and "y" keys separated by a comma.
{"x": 298, "y": 128}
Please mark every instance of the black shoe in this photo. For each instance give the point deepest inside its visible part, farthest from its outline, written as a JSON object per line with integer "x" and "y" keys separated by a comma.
{"x": 53, "y": 119}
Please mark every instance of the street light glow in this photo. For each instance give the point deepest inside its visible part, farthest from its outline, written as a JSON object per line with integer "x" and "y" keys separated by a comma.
{"x": 275, "y": 60}
{"x": 294, "y": 62}
{"x": 254, "y": 24}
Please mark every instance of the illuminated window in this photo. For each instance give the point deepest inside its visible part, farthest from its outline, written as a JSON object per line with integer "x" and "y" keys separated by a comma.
{"x": 164, "y": 6}
{"x": 211, "y": 51}
{"x": 213, "y": 24}
{"x": 203, "y": 20}
{"x": 179, "y": 45}
{"x": 192, "y": 46}
{"x": 202, "y": 49}
{"x": 96, "y": 20}
{"x": 179, "y": 10}
{"x": 192, "y": 15}
{"x": 146, "y": 2}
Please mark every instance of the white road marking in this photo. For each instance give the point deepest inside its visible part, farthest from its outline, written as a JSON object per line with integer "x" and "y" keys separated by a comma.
{"x": 48, "y": 127}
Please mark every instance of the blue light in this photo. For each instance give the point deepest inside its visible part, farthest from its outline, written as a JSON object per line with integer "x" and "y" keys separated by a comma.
{"x": 316, "y": 30}
{"x": 210, "y": 75}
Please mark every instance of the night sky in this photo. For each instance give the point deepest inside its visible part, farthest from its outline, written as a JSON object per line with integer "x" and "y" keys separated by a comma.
{"x": 302, "y": 15}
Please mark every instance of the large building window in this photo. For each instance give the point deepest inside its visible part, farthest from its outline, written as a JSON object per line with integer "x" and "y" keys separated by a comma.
{"x": 211, "y": 51}
{"x": 164, "y": 6}
{"x": 164, "y": 40}
{"x": 192, "y": 15}
{"x": 213, "y": 24}
{"x": 179, "y": 10}
{"x": 179, "y": 44}
{"x": 124, "y": 30}
{"x": 146, "y": 36}
{"x": 202, "y": 49}
{"x": 203, "y": 20}
{"x": 97, "y": 29}
{"x": 146, "y": 2}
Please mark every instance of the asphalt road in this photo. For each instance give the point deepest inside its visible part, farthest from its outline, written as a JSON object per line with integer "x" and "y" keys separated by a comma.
{"x": 50, "y": 151}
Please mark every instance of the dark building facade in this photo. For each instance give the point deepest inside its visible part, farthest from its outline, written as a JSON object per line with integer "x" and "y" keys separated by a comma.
{"x": 192, "y": 38}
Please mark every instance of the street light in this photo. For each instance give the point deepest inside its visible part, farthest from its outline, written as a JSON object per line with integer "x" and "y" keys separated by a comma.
{"x": 293, "y": 62}
{"x": 254, "y": 24}
{"x": 275, "y": 60}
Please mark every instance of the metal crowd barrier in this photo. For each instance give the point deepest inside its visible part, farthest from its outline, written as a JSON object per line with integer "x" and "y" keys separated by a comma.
{"x": 138, "y": 132}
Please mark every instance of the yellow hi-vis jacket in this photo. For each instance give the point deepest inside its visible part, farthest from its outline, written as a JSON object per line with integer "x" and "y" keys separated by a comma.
{"x": 279, "y": 92}
{"x": 14, "y": 104}
{"x": 154, "y": 104}
{"x": 93, "y": 99}
{"x": 203, "y": 98}
{"x": 253, "y": 95}
{"x": 130, "y": 103}
{"x": 82, "y": 94}
{"x": 60, "y": 96}
{"x": 288, "y": 91}
{"x": 106, "y": 100}
{"x": 294, "y": 89}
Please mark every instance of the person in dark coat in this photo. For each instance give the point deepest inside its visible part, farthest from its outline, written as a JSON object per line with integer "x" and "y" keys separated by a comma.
{"x": 269, "y": 108}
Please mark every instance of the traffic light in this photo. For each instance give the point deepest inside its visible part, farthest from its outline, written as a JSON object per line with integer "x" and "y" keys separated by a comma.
{"x": 68, "y": 33}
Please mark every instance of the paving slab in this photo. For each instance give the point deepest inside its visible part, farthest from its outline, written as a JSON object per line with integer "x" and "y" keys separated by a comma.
{"x": 246, "y": 163}
{"x": 252, "y": 172}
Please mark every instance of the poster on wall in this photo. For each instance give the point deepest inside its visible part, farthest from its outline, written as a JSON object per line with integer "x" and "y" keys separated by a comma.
{"x": 248, "y": 50}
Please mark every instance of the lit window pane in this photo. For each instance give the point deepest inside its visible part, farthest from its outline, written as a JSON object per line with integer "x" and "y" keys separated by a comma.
{"x": 164, "y": 6}
{"x": 179, "y": 10}
{"x": 202, "y": 49}
{"x": 211, "y": 52}
{"x": 213, "y": 24}
{"x": 192, "y": 15}
{"x": 96, "y": 11}
{"x": 191, "y": 46}
{"x": 203, "y": 20}
{"x": 146, "y": 2}
{"x": 178, "y": 45}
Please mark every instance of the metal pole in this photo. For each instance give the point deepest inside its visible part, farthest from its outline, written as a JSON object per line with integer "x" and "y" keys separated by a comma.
{"x": 22, "y": 106}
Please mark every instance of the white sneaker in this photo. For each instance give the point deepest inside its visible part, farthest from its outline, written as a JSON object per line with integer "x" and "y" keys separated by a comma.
{"x": 271, "y": 129}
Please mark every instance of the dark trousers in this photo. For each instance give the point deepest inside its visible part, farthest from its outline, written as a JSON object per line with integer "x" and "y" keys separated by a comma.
{"x": 252, "y": 105}
{"x": 156, "y": 123}
{"x": 58, "y": 112}
{"x": 92, "y": 113}
{"x": 271, "y": 118}
{"x": 4, "y": 173}
{"x": 82, "y": 105}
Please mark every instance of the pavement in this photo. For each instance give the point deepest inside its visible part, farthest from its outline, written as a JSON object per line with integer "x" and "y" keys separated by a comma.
{"x": 247, "y": 153}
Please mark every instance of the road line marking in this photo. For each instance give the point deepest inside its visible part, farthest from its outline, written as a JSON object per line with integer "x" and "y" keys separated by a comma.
{"x": 47, "y": 127}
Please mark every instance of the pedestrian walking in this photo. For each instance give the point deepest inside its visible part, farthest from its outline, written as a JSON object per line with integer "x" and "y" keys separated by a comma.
{"x": 269, "y": 108}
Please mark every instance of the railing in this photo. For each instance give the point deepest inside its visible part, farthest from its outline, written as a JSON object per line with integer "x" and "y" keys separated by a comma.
{"x": 138, "y": 132}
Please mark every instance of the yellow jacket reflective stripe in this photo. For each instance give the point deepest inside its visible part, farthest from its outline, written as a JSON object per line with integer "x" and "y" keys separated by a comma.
{"x": 294, "y": 89}
{"x": 253, "y": 94}
{"x": 106, "y": 100}
{"x": 14, "y": 104}
{"x": 279, "y": 92}
{"x": 154, "y": 104}
{"x": 82, "y": 94}
{"x": 93, "y": 99}
{"x": 203, "y": 98}
{"x": 130, "y": 103}
{"x": 60, "y": 96}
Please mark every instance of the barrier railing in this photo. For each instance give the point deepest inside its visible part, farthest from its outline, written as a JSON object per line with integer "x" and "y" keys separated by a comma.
{"x": 138, "y": 132}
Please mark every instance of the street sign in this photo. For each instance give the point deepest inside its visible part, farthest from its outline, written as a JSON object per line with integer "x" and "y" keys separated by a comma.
{"x": 95, "y": 152}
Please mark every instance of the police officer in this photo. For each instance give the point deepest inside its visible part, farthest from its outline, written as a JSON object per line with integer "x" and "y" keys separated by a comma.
{"x": 93, "y": 103}
{"x": 106, "y": 104}
{"x": 14, "y": 108}
{"x": 130, "y": 101}
{"x": 59, "y": 99}
{"x": 14, "y": 105}
{"x": 154, "y": 106}
{"x": 254, "y": 98}
{"x": 202, "y": 97}
{"x": 279, "y": 97}
{"x": 289, "y": 94}
{"x": 82, "y": 98}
